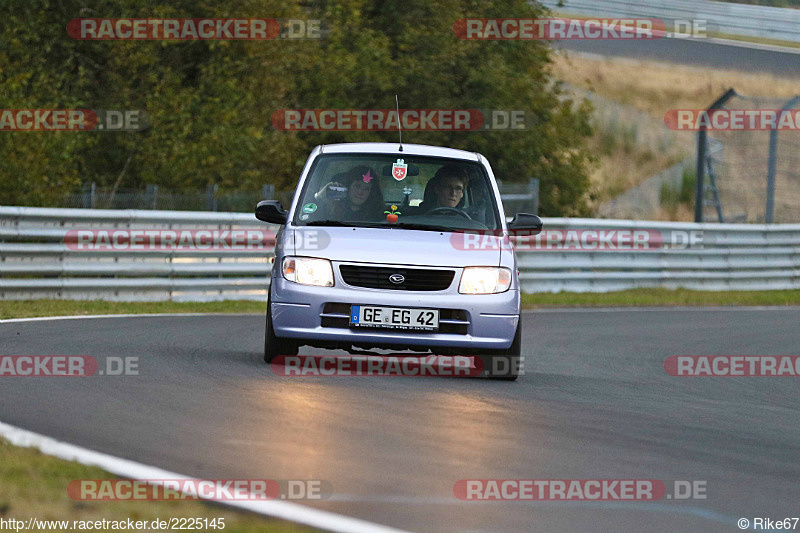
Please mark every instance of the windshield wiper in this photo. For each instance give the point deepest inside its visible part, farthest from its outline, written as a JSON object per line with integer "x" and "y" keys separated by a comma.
{"x": 404, "y": 225}
{"x": 345, "y": 224}
{"x": 330, "y": 223}
{"x": 422, "y": 227}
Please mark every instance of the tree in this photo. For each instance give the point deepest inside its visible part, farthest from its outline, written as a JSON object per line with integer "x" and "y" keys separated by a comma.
{"x": 210, "y": 102}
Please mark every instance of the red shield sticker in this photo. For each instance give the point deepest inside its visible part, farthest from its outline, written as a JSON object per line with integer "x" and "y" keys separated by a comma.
{"x": 399, "y": 170}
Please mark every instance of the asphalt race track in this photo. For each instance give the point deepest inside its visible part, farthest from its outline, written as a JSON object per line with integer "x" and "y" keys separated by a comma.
{"x": 695, "y": 52}
{"x": 596, "y": 403}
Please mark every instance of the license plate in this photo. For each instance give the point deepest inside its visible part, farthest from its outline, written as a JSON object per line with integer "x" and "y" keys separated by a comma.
{"x": 364, "y": 316}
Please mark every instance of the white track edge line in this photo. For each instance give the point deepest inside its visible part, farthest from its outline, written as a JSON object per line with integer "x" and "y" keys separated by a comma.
{"x": 749, "y": 44}
{"x": 124, "y": 315}
{"x": 130, "y": 469}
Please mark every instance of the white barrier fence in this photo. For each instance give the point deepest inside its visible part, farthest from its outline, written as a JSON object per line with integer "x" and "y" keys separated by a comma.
{"x": 711, "y": 257}
{"x": 723, "y": 17}
{"x": 36, "y": 260}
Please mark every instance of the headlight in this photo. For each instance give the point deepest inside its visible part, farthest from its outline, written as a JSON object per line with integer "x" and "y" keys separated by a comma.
{"x": 308, "y": 271}
{"x": 484, "y": 280}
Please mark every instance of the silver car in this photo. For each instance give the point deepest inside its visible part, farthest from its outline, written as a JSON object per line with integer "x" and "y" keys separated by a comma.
{"x": 396, "y": 247}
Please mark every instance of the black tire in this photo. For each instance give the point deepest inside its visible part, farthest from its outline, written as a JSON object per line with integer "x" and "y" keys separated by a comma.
{"x": 509, "y": 360}
{"x": 275, "y": 346}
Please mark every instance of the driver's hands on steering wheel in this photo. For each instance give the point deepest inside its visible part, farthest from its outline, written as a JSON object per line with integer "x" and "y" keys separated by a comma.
{"x": 451, "y": 210}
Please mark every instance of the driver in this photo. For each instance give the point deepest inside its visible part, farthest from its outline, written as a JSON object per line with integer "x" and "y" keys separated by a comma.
{"x": 448, "y": 184}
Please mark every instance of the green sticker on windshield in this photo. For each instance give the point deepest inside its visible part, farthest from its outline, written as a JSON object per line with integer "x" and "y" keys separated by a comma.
{"x": 309, "y": 208}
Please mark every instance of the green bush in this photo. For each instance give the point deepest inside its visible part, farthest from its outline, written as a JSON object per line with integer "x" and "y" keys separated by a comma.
{"x": 672, "y": 196}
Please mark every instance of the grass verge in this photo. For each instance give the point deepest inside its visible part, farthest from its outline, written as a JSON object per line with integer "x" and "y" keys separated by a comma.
{"x": 662, "y": 297}
{"x": 657, "y": 87}
{"x": 634, "y": 147}
{"x": 34, "y": 308}
{"x": 34, "y": 485}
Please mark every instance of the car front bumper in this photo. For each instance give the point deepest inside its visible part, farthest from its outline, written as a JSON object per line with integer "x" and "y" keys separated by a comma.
{"x": 487, "y": 322}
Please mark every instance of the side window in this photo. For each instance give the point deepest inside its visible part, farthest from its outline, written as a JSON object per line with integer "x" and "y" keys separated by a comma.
{"x": 321, "y": 176}
{"x": 479, "y": 202}
{"x": 476, "y": 189}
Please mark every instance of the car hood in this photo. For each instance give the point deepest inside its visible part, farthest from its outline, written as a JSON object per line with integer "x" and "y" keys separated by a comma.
{"x": 394, "y": 246}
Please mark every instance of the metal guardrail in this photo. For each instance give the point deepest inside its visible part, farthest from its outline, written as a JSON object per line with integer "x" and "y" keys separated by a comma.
{"x": 35, "y": 261}
{"x": 723, "y": 17}
{"x": 729, "y": 257}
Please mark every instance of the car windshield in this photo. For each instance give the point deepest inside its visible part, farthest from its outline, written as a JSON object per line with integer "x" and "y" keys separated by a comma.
{"x": 396, "y": 190}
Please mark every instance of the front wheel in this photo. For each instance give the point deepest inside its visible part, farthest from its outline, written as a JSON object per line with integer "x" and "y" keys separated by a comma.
{"x": 275, "y": 346}
{"x": 505, "y": 364}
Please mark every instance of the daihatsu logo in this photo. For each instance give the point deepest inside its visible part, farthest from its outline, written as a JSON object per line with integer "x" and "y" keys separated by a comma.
{"x": 397, "y": 279}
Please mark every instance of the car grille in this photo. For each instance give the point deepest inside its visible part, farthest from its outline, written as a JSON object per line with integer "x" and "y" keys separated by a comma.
{"x": 337, "y": 315}
{"x": 416, "y": 279}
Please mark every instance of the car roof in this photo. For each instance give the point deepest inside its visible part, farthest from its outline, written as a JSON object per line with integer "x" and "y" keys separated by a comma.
{"x": 389, "y": 148}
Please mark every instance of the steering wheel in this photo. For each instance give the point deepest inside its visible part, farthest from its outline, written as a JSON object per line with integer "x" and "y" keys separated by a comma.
{"x": 449, "y": 210}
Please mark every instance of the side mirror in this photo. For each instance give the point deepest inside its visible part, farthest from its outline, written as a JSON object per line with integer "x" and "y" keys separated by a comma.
{"x": 271, "y": 211}
{"x": 526, "y": 222}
